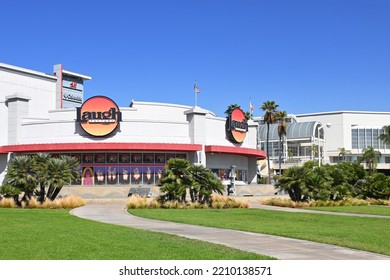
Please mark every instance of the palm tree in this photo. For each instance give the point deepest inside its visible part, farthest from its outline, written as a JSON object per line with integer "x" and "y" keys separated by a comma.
{"x": 293, "y": 181}
{"x": 177, "y": 179}
{"x": 282, "y": 131}
{"x": 26, "y": 173}
{"x": 208, "y": 183}
{"x": 343, "y": 152}
{"x": 58, "y": 174}
{"x": 74, "y": 165}
{"x": 21, "y": 176}
{"x": 269, "y": 107}
{"x": 39, "y": 164}
{"x": 385, "y": 137}
{"x": 230, "y": 108}
{"x": 370, "y": 157}
{"x": 248, "y": 115}
{"x": 319, "y": 184}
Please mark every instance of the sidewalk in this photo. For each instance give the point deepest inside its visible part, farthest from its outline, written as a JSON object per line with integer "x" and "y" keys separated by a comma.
{"x": 258, "y": 205}
{"x": 274, "y": 246}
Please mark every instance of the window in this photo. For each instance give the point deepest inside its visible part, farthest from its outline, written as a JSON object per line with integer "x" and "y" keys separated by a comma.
{"x": 354, "y": 138}
{"x": 375, "y": 140}
{"x": 361, "y": 139}
{"x": 368, "y": 138}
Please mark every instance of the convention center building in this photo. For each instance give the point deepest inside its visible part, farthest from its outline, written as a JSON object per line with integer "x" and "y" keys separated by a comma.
{"x": 117, "y": 146}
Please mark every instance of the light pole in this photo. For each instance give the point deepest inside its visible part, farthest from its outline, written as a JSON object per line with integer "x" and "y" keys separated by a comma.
{"x": 328, "y": 125}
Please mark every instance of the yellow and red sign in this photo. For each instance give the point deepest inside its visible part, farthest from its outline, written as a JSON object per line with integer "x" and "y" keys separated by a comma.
{"x": 99, "y": 116}
{"x": 237, "y": 126}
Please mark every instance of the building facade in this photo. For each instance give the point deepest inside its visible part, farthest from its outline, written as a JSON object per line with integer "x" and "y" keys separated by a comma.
{"x": 352, "y": 131}
{"x": 117, "y": 146}
{"x": 304, "y": 141}
{"x": 328, "y": 137}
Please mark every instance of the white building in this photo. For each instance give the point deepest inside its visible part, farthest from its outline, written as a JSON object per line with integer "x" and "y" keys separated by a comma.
{"x": 353, "y": 131}
{"x": 323, "y": 136}
{"x": 303, "y": 142}
{"x": 47, "y": 113}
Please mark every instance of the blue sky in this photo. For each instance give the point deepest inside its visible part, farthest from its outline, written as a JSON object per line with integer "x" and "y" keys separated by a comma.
{"x": 307, "y": 55}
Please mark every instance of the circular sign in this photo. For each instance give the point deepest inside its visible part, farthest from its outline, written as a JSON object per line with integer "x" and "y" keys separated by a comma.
{"x": 99, "y": 116}
{"x": 238, "y": 125}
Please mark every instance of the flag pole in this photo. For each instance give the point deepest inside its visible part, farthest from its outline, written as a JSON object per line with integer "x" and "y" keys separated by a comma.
{"x": 196, "y": 91}
{"x": 196, "y": 97}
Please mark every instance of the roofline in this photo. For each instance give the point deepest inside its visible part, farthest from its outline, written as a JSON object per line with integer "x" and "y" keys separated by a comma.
{"x": 27, "y": 71}
{"x": 77, "y": 75}
{"x": 133, "y": 104}
{"x": 342, "y": 112}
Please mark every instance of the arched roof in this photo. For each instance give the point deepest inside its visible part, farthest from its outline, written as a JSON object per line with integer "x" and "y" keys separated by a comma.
{"x": 296, "y": 130}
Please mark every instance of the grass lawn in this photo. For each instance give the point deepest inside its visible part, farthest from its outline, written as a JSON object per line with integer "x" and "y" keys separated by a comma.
{"x": 39, "y": 234}
{"x": 369, "y": 209}
{"x": 368, "y": 234}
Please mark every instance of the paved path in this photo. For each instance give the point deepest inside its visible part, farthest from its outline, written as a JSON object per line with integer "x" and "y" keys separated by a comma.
{"x": 278, "y": 247}
{"x": 300, "y": 210}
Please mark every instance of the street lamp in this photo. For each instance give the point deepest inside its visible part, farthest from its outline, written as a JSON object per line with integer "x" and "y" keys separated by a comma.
{"x": 328, "y": 125}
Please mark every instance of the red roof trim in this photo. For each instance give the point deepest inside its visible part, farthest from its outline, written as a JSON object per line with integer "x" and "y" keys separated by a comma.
{"x": 260, "y": 154}
{"x": 62, "y": 147}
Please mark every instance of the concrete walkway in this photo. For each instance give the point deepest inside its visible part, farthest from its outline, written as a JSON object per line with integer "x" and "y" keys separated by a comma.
{"x": 300, "y": 210}
{"x": 274, "y": 246}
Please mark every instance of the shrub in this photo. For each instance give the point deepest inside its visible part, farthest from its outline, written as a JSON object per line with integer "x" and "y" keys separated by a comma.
{"x": 172, "y": 205}
{"x": 33, "y": 203}
{"x": 47, "y": 204}
{"x": 194, "y": 205}
{"x": 69, "y": 202}
{"x": 242, "y": 204}
{"x": 7, "y": 203}
{"x": 284, "y": 202}
{"x": 217, "y": 205}
{"x": 219, "y": 202}
{"x": 142, "y": 202}
{"x": 324, "y": 203}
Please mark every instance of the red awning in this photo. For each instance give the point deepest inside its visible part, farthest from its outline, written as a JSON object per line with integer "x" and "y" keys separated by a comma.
{"x": 260, "y": 154}
{"x": 68, "y": 147}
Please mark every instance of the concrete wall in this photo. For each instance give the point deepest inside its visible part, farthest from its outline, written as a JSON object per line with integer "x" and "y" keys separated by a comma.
{"x": 3, "y": 166}
{"x": 62, "y": 128}
{"x": 3, "y": 122}
{"x": 38, "y": 86}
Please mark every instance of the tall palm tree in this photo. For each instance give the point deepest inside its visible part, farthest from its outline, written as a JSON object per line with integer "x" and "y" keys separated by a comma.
{"x": 282, "y": 131}
{"x": 385, "y": 137}
{"x": 371, "y": 157}
{"x": 270, "y": 108}
{"x": 248, "y": 115}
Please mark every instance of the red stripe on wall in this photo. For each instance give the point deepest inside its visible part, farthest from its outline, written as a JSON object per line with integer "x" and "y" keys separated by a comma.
{"x": 260, "y": 154}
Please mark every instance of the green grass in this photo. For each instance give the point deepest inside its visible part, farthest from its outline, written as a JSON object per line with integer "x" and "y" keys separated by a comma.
{"x": 367, "y": 209}
{"x": 368, "y": 234}
{"x": 36, "y": 234}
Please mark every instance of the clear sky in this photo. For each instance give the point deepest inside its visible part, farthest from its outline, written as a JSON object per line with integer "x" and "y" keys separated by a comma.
{"x": 306, "y": 55}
